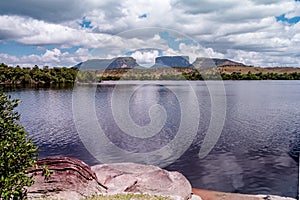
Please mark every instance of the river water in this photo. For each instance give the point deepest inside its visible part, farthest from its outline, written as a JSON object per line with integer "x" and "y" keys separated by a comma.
{"x": 255, "y": 129}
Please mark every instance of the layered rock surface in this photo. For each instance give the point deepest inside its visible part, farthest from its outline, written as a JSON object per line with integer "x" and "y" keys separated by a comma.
{"x": 69, "y": 178}
{"x": 63, "y": 178}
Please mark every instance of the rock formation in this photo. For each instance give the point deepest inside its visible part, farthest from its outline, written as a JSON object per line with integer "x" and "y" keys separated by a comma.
{"x": 69, "y": 178}
{"x": 63, "y": 178}
{"x": 145, "y": 179}
{"x": 160, "y": 62}
{"x": 101, "y": 64}
{"x": 205, "y": 63}
{"x": 171, "y": 61}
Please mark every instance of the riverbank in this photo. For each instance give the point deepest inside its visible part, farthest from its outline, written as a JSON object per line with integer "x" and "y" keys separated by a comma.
{"x": 215, "y": 195}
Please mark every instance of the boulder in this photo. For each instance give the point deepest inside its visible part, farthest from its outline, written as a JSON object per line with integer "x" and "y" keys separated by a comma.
{"x": 143, "y": 179}
{"x": 63, "y": 178}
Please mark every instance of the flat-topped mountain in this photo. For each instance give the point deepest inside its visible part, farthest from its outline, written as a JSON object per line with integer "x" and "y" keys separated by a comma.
{"x": 114, "y": 63}
{"x": 171, "y": 61}
{"x": 204, "y": 63}
{"x": 160, "y": 62}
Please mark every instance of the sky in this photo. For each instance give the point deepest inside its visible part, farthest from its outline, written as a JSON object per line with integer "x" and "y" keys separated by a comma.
{"x": 58, "y": 33}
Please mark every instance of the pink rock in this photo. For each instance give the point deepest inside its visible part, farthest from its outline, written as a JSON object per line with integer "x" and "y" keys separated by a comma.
{"x": 143, "y": 179}
{"x": 69, "y": 179}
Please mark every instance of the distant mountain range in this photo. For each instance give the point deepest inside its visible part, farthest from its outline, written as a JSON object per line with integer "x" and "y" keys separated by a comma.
{"x": 160, "y": 62}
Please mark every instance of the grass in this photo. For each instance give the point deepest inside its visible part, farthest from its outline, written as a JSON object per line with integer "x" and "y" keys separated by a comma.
{"x": 128, "y": 197}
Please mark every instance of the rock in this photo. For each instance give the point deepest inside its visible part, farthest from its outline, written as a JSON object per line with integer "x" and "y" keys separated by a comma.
{"x": 144, "y": 179}
{"x": 69, "y": 179}
{"x": 73, "y": 179}
{"x": 273, "y": 197}
{"x": 195, "y": 197}
{"x": 171, "y": 61}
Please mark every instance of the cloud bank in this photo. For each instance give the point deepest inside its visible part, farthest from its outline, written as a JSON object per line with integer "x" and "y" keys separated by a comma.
{"x": 251, "y": 31}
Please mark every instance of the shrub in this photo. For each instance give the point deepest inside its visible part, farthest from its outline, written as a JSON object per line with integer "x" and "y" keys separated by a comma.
{"x": 17, "y": 152}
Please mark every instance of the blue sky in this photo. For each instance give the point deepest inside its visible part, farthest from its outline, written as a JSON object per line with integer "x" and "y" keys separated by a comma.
{"x": 64, "y": 33}
{"x": 290, "y": 21}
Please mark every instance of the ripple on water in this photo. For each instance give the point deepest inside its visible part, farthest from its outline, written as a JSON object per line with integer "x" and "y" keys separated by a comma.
{"x": 251, "y": 156}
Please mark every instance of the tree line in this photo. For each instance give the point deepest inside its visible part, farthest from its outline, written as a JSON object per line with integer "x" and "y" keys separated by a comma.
{"x": 35, "y": 75}
{"x": 261, "y": 76}
{"x": 46, "y": 75}
{"x": 195, "y": 75}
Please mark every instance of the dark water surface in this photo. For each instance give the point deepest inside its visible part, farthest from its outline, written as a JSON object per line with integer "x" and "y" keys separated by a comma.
{"x": 262, "y": 126}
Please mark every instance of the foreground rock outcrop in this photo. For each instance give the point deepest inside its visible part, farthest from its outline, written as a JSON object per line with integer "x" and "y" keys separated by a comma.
{"x": 63, "y": 178}
{"x": 69, "y": 178}
{"x": 145, "y": 179}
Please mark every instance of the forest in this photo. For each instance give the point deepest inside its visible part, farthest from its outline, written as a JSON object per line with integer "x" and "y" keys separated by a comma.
{"x": 35, "y": 75}
{"x": 47, "y": 75}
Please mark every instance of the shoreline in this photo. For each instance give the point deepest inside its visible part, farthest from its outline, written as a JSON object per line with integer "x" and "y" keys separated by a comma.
{"x": 217, "y": 195}
{"x": 69, "y": 177}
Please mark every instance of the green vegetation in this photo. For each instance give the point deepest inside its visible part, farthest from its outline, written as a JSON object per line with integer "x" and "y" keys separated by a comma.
{"x": 46, "y": 172}
{"x": 17, "y": 152}
{"x": 193, "y": 74}
{"x": 129, "y": 197}
{"x": 18, "y": 75}
{"x": 261, "y": 76}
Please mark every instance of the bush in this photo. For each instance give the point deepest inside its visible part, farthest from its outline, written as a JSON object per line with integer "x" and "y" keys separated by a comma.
{"x": 17, "y": 152}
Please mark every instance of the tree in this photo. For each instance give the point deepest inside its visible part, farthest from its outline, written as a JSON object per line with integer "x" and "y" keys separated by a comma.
{"x": 17, "y": 152}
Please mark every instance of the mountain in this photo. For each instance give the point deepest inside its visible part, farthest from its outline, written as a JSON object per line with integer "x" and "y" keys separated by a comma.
{"x": 204, "y": 63}
{"x": 101, "y": 64}
{"x": 171, "y": 61}
{"x": 160, "y": 62}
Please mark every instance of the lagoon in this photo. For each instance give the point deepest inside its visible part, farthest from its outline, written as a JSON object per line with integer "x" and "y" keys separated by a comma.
{"x": 166, "y": 123}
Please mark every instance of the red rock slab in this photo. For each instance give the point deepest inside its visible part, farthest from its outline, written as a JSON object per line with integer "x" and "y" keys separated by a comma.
{"x": 68, "y": 178}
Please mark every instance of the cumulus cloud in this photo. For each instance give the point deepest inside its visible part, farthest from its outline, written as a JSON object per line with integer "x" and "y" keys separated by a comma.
{"x": 52, "y": 58}
{"x": 146, "y": 57}
{"x": 243, "y": 30}
{"x": 55, "y": 10}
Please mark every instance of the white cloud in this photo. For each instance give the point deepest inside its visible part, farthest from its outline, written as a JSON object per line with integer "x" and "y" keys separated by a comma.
{"x": 244, "y": 30}
{"x": 294, "y": 12}
{"x": 263, "y": 60}
{"x": 145, "y": 57}
{"x": 50, "y": 58}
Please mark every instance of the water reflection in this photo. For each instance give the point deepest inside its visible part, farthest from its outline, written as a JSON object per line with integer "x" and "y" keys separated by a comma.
{"x": 251, "y": 156}
{"x": 140, "y": 104}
